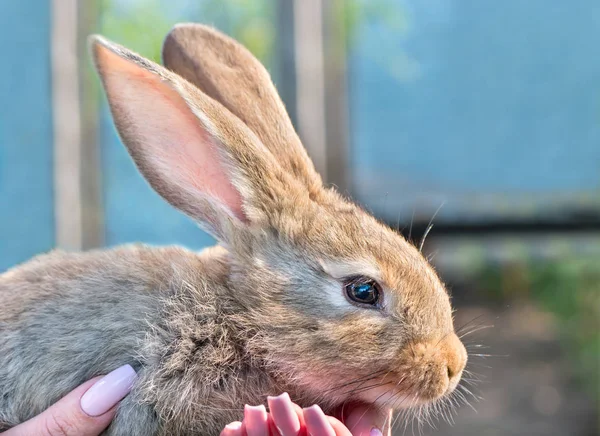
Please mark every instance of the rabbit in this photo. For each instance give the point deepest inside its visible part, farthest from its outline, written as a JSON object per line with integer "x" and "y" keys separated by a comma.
{"x": 305, "y": 292}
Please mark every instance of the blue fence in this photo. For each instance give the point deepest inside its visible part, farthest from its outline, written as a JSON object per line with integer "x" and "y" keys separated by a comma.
{"x": 26, "y": 213}
{"x": 492, "y": 107}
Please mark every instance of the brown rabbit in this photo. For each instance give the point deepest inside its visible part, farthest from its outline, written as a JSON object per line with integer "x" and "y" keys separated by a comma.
{"x": 307, "y": 294}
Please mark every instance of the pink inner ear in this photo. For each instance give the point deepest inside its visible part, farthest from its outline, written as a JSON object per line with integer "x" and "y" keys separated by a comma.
{"x": 193, "y": 152}
{"x": 171, "y": 139}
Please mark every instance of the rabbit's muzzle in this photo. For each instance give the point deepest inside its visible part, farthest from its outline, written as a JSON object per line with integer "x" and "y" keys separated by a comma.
{"x": 431, "y": 369}
{"x": 424, "y": 371}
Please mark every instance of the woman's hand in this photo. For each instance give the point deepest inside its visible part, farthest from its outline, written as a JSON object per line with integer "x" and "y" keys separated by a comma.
{"x": 86, "y": 411}
{"x": 89, "y": 409}
{"x": 288, "y": 419}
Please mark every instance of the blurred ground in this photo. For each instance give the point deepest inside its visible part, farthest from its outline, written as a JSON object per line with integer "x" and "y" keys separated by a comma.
{"x": 527, "y": 387}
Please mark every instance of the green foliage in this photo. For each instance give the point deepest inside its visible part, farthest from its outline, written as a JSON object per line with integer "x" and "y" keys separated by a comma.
{"x": 252, "y": 22}
{"x": 570, "y": 289}
{"x": 143, "y": 25}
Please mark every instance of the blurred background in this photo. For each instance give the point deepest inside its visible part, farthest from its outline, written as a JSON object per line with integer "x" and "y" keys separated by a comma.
{"x": 479, "y": 116}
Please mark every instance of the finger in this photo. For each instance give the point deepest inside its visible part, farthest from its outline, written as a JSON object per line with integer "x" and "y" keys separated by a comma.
{"x": 86, "y": 411}
{"x": 284, "y": 415}
{"x": 365, "y": 421}
{"x": 233, "y": 429}
{"x": 339, "y": 428}
{"x": 317, "y": 423}
{"x": 300, "y": 414}
{"x": 64, "y": 417}
{"x": 256, "y": 421}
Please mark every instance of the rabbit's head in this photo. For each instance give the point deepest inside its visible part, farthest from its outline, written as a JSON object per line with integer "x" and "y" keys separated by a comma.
{"x": 342, "y": 308}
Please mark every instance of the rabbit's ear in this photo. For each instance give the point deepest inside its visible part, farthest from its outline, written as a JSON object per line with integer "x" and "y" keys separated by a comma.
{"x": 193, "y": 152}
{"x": 226, "y": 71}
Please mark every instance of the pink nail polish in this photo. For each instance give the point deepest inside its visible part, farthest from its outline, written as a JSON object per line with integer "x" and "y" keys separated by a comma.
{"x": 108, "y": 391}
{"x": 256, "y": 420}
{"x": 236, "y": 425}
{"x": 316, "y": 422}
{"x": 258, "y": 411}
{"x": 284, "y": 415}
{"x": 376, "y": 432}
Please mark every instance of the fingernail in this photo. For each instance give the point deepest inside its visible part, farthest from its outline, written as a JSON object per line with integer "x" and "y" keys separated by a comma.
{"x": 108, "y": 391}
{"x": 236, "y": 425}
{"x": 316, "y": 422}
{"x": 256, "y": 420}
{"x": 376, "y": 432}
{"x": 256, "y": 410}
{"x": 284, "y": 415}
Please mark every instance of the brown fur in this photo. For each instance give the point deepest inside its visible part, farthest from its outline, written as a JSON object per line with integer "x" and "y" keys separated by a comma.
{"x": 227, "y": 72}
{"x": 259, "y": 315}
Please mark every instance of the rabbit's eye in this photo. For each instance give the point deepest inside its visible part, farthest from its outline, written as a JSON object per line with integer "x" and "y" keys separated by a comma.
{"x": 363, "y": 290}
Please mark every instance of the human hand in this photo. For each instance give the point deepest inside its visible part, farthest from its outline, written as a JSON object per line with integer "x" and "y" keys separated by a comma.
{"x": 86, "y": 411}
{"x": 288, "y": 419}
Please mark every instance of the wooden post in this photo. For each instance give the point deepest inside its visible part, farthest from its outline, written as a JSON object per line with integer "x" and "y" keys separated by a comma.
{"x": 336, "y": 95}
{"x": 285, "y": 60}
{"x": 312, "y": 81}
{"x": 76, "y": 188}
{"x": 91, "y": 165}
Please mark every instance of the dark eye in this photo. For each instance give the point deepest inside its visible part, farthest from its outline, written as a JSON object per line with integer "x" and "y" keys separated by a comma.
{"x": 363, "y": 290}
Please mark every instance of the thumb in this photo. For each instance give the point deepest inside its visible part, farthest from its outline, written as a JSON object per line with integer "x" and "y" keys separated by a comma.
{"x": 364, "y": 420}
{"x": 86, "y": 411}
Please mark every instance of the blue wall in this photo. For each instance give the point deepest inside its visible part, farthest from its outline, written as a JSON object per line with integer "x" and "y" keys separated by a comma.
{"x": 491, "y": 106}
{"x": 26, "y": 214}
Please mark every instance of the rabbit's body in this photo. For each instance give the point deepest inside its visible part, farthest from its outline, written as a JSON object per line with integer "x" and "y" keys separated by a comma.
{"x": 312, "y": 295}
{"x": 68, "y": 317}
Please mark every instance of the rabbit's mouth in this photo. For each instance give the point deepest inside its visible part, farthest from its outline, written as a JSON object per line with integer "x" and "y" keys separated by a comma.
{"x": 377, "y": 410}
{"x": 358, "y": 415}
{"x": 390, "y": 397}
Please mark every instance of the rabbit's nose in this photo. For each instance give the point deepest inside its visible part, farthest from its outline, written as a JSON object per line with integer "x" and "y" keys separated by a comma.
{"x": 436, "y": 365}
{"x": 455, "y": 355}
